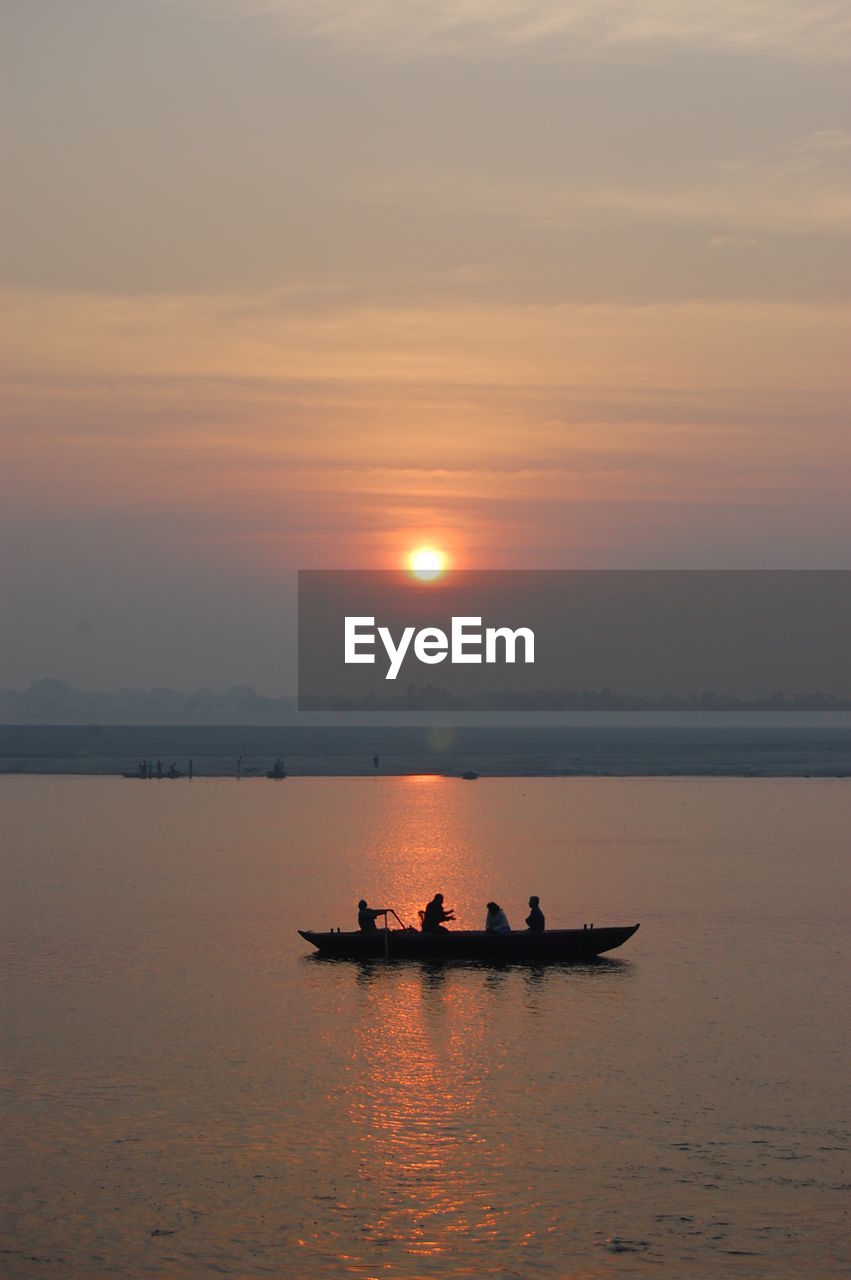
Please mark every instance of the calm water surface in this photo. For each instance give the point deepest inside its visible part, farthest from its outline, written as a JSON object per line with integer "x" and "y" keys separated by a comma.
{"x": 187, "y": 1092}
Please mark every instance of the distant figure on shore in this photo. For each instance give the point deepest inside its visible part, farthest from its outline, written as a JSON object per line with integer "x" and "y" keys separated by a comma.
{"x": 535, "y": 919}
{"x": 435, "y": 914}
{"x": 159, "y": 768}
{"x": 496, "y": 920}
{"x": 190, "y": 770}
{"x": 150, "y": 769}
{"x": 375, "y": 762}
{"x": 239, "y": 768}
{"x": 367, "y": 916}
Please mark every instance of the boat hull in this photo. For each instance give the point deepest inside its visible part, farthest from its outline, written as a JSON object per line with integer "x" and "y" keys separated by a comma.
{"x": 521, "y": 947}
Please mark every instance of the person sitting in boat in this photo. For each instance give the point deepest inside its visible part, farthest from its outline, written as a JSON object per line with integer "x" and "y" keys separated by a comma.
{"x": 496, "y": 920}
{"x": 535, "y": 919}
{"x": 367, "y": 916}
{"x": 435, "y": 914}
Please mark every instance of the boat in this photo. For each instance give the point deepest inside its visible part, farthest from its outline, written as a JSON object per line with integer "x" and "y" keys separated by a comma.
{"x": 516, "y": 947}
{"x": 278, "y": 771}
{"x": 470, "y": 775}
{"x": 168, "y": 774}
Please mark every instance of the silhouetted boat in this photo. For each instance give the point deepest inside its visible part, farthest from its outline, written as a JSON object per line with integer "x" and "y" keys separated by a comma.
{"x": 519, "y": 947}
{"x": 166, "y": 775}
{"x": 469, "y": 776}
{"x": 278, "y": 771}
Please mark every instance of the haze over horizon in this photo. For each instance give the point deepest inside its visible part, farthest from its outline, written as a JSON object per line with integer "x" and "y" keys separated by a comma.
{"x": 295, "y": 287}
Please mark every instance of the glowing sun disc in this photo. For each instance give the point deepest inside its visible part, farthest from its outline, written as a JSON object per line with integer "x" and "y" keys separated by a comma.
{"x": 426, "y": 563}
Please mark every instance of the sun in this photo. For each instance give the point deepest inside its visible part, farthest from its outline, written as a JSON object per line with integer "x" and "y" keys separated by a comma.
{"x": 427, "y": 563}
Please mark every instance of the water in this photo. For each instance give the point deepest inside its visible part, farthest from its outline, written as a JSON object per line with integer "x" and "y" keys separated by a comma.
{"x": 187, "y": 1092}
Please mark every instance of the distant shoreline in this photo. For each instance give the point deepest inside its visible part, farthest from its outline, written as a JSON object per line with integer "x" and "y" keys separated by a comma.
{"x": 449, "y": 751}
{"x": 428, "y": 773}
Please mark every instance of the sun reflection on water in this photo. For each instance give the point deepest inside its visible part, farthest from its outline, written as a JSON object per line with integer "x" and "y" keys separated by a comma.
{"x": 421, "y": 1109}
{"x": 421, "y": 1117}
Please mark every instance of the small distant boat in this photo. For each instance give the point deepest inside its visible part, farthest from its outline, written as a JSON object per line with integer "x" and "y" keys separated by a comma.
{"x": 553, "y": 946}
{"x": 470, "y": 775}
{"x": 277, "y": 771}
{"x": 155, "y": 777}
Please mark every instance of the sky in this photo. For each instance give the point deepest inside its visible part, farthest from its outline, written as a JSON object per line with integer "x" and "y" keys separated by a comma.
{"x": 307, "y": 283}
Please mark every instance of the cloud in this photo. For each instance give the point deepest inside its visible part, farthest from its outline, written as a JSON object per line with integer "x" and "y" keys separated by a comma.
{"x": 44, "y": 335}
{"x": 494, "y": 28}
{"x": 734, "y": 244}
{"x": 242, "y": 405}
{"x": 801, "y": 187}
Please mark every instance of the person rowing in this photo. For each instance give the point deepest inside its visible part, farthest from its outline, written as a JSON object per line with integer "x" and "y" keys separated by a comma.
{"x": 435, "y": 914}
{"x": 367, "y": 916}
